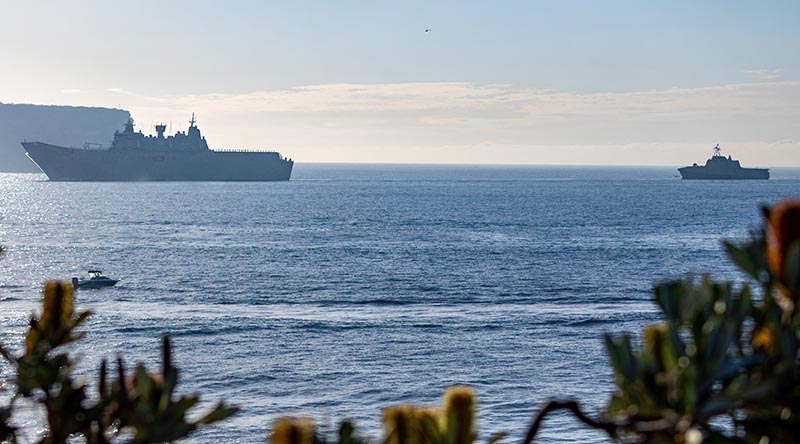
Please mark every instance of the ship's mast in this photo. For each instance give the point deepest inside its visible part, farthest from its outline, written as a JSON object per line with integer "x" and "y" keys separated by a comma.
{"x": 716, "y": 148}
{"x": 192, "y": 122}
{"x": 160, "y": 130}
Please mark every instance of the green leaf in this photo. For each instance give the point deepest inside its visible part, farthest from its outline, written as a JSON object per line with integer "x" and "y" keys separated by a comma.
{"x": 742, "y": 258}
{"x": 220, "y": 412}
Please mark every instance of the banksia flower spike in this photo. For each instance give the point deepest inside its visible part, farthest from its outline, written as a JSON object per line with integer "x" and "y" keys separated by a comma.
{"x": 459, "y": 413}
{"x": 57, "y": 324}
{"x": 400, "y": 425}
{"x": 429, "y": 421}
{"x": 288, "y": 430}
{"x": 58, "y": 300}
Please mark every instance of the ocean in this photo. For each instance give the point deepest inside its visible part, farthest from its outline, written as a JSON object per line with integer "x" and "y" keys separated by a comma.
{"x": 355, "y": 287}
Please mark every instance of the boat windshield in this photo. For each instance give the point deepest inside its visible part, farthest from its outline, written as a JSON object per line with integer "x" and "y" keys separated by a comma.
{"x": 95, "y": 274}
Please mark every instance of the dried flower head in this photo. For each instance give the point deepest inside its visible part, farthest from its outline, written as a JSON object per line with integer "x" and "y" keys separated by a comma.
{"x": 782, "y": 233}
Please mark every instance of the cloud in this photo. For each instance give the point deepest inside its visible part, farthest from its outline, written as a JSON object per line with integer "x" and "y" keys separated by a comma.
{"x": 763, "y": 74}
{"x": 445, "y": 102}
{"x": 70, "y": 91}
{"x": 494, "y": 123}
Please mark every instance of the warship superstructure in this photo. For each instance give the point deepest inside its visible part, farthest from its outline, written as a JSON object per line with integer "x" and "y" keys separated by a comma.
{"x": 719, "y": 167}
{"x": 133, "y": 156}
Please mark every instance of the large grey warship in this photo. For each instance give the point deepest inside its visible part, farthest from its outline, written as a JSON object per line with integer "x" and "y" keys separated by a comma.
{"x": 719, "y": 167}
{"x": 133, "y": 156}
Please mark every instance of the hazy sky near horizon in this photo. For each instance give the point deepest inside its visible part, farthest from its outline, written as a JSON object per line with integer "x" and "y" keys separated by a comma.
{"x": 534, "y": 82}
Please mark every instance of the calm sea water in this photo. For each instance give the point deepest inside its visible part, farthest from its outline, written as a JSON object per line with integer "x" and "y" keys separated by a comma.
{"x": 353, "y": 287}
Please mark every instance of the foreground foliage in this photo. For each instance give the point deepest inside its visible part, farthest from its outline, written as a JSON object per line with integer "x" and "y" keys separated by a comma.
{"x": 140, "y": 408}
{"x": 723, "y": 366}
{"x": 453, "y": 423}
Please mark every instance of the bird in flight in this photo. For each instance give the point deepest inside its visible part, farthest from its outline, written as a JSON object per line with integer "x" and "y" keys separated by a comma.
{"x": 427, "y": 30}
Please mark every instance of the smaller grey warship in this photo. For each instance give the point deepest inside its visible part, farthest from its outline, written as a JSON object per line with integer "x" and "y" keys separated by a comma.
{"x": 719, "y": 167}
{"x": 133, "y": 156}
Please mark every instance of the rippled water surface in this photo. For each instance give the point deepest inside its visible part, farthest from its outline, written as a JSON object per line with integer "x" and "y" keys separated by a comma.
{"x": 354, "y": 287}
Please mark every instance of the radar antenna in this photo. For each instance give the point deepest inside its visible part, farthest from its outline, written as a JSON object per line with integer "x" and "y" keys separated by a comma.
{"x": 192, "y": 122}
{"x": 716, "y": 151}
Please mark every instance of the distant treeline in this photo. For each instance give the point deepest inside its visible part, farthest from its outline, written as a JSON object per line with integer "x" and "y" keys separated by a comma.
{"x": 59, "y": 125}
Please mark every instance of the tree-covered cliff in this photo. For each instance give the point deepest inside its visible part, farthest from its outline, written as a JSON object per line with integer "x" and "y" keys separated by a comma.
{"x": 59, "y": 125}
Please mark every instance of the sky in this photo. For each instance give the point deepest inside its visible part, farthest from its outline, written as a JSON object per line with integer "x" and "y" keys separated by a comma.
{"x": 504, "y": 82}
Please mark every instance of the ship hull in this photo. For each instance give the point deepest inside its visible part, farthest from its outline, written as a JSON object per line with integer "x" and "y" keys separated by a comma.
{"x": 71, "y": 164}
{"x": 703, "y": 173}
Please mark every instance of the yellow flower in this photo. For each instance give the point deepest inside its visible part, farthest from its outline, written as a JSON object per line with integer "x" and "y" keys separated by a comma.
{"x": 401, "y": 425}
{"x": 459, "y": 408}
{"x": 763, "y": 338}
{"x": 58, "y": 307}
{"x": 288, "y": 430}
{"x": 654, "y": 335}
